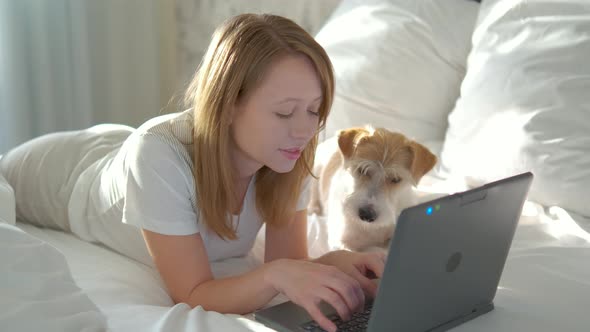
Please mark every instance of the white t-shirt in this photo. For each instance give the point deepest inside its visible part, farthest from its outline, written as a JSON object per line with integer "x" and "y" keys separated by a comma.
{"x": 148, "y": 183}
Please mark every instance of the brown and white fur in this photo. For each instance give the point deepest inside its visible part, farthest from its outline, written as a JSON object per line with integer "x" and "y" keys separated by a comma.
{"x": 366, "y": 177}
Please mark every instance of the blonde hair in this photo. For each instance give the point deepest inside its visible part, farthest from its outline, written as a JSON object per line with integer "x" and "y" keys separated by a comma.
{"x": 239, "y": 54}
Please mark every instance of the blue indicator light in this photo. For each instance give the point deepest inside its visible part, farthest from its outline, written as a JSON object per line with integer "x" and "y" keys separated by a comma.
{"x": 429, "y": 210}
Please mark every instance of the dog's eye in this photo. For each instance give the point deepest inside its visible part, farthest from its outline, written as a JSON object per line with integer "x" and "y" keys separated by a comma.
{"x": 363, "y": 172}
{"x": 395, "y": 180}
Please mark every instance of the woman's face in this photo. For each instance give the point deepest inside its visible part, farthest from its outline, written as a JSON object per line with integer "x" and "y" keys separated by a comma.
{"x": 272, "y": 125}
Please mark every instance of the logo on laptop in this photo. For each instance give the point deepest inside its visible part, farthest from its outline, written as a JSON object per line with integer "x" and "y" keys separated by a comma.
{"x": 454, "y": 261}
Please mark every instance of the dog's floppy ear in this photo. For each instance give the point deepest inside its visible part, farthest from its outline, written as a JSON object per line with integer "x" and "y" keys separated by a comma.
{"x": 422, "y": 160}
{"x": 348, "y": 138}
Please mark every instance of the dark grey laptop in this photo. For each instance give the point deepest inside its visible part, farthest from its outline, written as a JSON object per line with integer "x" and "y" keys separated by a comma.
{"x": 444, "y": 264}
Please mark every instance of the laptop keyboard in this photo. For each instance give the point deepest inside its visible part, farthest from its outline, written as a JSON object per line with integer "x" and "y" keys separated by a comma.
{"x": 358, "y": 322}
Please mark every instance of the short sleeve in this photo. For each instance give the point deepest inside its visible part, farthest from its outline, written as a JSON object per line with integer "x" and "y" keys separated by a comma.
{"x": 158, "y": 188}
{"x": 304, "y": 194}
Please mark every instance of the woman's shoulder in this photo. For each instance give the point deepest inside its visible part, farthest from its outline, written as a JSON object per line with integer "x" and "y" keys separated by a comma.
{"x": 164, "y": 137}
{"x": 168, "y": 131}
{"x": 154, "y": 150}
{"x": 173, "y": 126}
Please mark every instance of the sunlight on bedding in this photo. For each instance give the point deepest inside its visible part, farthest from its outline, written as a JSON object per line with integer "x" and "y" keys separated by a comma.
{"x": 556, "y": 222}
{"x": 560, "y": 225}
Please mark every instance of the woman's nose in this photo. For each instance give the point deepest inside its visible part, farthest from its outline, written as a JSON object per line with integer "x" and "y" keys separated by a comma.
{"x": 304, "y": 127}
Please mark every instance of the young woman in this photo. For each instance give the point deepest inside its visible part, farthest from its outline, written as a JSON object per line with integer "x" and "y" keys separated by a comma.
{"x": 189, "y": 188}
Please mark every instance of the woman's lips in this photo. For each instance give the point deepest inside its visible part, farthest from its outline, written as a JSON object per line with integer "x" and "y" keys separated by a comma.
{"x": 291, "y": 154}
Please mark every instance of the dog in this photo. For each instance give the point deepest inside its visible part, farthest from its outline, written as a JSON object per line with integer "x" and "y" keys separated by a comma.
{"x": 366, "y": 176}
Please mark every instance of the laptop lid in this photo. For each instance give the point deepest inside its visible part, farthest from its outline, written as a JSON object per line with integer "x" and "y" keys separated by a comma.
{"x": 447, "y": 256}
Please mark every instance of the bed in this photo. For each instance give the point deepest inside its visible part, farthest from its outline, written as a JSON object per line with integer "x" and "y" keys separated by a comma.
{"x": 54, "y": 281}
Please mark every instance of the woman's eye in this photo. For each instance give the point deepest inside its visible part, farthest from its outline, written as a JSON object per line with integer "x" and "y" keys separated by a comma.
{"x": 284, "y": 116}
{"x": 395, "y": 180}
{"x": 314, "y": 113}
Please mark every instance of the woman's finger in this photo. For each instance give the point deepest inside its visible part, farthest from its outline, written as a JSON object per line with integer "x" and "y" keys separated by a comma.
{"x": 337, "y": 302}
{"x": 316, "y": 314}
{"x": 366, "y": 284}
{"x": 364, "y": 288}
{"x": 348, "y": 288}
{"x": 375, "y": 262}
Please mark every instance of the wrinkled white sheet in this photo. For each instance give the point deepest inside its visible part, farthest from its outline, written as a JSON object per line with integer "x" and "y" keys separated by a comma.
{"x": 37, "y": 291}
{"x": 545, "y": 285}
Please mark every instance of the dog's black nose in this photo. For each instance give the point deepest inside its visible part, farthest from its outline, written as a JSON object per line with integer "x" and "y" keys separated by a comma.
{"x": 367, "y": 213}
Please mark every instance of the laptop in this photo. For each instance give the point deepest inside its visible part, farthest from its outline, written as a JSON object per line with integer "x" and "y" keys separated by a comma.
{"x": 445, "y": 261}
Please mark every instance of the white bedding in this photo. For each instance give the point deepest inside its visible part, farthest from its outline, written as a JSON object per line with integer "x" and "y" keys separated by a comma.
{"x": 545, "y": 285}
{"x": 7, "y": 203}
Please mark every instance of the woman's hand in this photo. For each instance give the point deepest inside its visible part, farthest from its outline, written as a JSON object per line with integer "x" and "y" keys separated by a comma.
{"x": 361, "y": 266}
{"x": 308, "y": 283}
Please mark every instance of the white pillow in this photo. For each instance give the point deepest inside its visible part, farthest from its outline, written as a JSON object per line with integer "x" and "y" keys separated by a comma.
{"x": 525, "y": 101}
{"x": 37, "y": 290}
{"x": 398, "y": 64}
{"x": 7, "y": 203}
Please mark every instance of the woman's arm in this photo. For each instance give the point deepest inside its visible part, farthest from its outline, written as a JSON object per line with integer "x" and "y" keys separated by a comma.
{"x": 289, "y": 241}
{"x": 184, "y": 266}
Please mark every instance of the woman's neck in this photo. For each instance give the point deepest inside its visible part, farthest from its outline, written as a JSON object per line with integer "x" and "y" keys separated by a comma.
{"x": 240, "y": 191}
{"x": 244, "y": 166}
